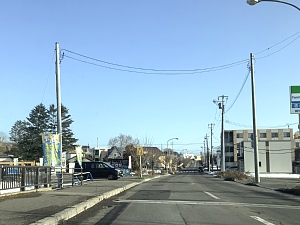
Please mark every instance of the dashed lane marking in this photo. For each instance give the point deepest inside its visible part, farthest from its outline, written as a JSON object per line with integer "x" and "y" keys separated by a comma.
{"x": 262, "y": 220}
{"x": 211, "y": 195}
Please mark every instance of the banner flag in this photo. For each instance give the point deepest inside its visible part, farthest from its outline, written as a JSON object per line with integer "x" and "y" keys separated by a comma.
{"x": 51, "y": 149}
{"x": 79, "y": 155}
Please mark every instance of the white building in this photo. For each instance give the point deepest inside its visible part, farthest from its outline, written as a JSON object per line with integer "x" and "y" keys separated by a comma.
{"x": 96, "y": 153}
{"x": 275, "y": 148}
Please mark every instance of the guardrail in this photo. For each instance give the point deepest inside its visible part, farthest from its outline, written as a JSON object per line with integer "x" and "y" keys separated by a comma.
{"x": 24, "y": 177}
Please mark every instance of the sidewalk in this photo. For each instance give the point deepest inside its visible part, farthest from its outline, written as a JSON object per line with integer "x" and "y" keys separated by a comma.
{"x": 273, "y": 183}
{"x": 49, "y": 207}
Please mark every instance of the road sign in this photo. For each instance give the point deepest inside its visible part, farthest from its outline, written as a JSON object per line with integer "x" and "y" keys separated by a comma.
{"x": 140, "y": 150}
{"x": 295, "y": 99}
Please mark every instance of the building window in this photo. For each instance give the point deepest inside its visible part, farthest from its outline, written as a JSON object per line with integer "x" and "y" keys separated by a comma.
{"x": 229, "y": 159}
{"x": 267, "y": 143}
{"x": 239, "y": 135}
{"x": 263, "y": 135}
{"x": 227, "y": 149}
{"x": 297, "y": 144}
{"x": 274, "y": 135}
{"x": 250, "y": 136}
{"x": 228, "y": 137}
{"x": 286, "y": 134}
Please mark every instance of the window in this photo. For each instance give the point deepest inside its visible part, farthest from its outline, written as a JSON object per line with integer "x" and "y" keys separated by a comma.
{"x": 267, "y": 143}
{"x": 239, "y": 135}
{"x": 228, "y": 137}
{"x": 229, "y": 159}
{"x": 297, "y": 144}
{"x": 263, "y": 135}
{"x": 274, "y": 135}
{"x": 286, "y": 134}
{"x": 226, "y": 149}
{"x": 250, "y": 136}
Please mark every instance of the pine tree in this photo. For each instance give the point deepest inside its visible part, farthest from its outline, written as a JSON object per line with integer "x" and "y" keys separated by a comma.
{"x": 26, "y": 135}
{"x": 67, "y": 134}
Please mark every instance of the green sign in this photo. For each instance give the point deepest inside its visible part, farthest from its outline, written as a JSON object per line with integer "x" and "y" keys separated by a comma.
{"x": 295, "y": 99}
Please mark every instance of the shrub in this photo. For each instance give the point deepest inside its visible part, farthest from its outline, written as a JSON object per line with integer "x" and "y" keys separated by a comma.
{"x": 234, "y": 175}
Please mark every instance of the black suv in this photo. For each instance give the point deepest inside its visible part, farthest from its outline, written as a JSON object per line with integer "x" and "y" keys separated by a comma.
{"x": 98, "y": 170}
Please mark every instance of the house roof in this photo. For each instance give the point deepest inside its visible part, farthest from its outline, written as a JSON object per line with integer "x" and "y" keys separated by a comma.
{"x": 153, "y": 150}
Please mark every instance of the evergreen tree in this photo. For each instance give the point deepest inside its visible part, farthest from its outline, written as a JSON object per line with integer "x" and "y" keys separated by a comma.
{"x": 68, "y": 136}
{"x": 26, "y": 135}
{"x": 68, "y": 140}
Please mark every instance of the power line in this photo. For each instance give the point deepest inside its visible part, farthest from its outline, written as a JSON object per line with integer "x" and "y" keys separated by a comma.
{"x": 246, "y": 78}
{"x": 180, "y": 71}
{"x": 267, "y": 49}
{"x": 249, "y": 126}
{"x": 279, "y": 49}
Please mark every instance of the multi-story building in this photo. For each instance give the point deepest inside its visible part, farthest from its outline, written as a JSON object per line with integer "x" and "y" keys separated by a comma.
{"x": 275, "y": 148}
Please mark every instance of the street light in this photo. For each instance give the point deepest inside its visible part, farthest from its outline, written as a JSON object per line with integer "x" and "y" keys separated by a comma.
{"x": 257, "y": 178}
{"x": 168, "y": 152}
{"x": 253, "y": 2}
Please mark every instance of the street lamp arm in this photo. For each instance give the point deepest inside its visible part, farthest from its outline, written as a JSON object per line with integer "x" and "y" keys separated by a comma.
{"x": 253, "y": 2}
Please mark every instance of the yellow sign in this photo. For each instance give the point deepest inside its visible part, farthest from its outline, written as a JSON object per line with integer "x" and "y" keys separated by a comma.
{"x": 139, "y": 150}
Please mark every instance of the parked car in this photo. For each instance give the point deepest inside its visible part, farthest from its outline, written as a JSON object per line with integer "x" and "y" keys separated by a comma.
{"x": 232, "y": 168}
{"x": 99, "y": 170}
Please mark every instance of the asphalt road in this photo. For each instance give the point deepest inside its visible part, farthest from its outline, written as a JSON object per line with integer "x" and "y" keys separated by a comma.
{"x": 191, "y": 198}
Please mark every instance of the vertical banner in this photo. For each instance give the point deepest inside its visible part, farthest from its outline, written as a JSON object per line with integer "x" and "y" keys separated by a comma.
{"x": 79, "y": 155}
{"x": 51, "y": 149}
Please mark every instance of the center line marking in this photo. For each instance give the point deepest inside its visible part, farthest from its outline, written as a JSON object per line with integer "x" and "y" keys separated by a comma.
{"x": 211, "y": 195}
{"x": 262, "y": 220}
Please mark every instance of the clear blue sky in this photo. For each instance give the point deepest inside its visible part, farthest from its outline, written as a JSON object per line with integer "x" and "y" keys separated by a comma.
{"x": 157, "y": 34}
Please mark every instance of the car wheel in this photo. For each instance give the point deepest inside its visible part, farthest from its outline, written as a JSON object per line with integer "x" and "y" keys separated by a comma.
{"x": 111, "y": 177}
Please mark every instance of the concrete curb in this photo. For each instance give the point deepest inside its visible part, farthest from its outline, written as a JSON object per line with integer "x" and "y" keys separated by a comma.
{"x": 79, "y": 208}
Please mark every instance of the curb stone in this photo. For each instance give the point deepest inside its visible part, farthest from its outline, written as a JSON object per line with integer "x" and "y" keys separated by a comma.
{"x": 72, "y": 211}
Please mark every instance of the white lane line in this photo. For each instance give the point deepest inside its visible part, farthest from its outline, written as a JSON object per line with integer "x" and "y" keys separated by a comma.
{"x": 211, "y": 195}
{"x": 262, "y": 220}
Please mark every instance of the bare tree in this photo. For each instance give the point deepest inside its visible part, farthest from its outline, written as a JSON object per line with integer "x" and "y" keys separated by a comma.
{"x": 3, "y": 137}
{"x": 122, "y": 141}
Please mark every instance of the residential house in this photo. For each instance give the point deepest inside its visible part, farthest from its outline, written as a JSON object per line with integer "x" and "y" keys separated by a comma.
{"x": 115, "y": 153}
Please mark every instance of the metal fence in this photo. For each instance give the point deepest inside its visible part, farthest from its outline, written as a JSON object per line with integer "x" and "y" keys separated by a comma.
{"x": 24, "y": 177}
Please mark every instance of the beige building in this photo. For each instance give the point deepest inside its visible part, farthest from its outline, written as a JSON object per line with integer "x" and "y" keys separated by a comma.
{"x": 275, "y": 148}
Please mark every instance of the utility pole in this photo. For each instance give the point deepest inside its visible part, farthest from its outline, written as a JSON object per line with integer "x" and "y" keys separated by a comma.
{"x": 222, "y": 107}
{"x": 255, "y": 143}
{"x": 207, "y": 150}
{"x": 59, "y": 124}
{"x": 204, "y": 151}
{"x": 211, "y": 147}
